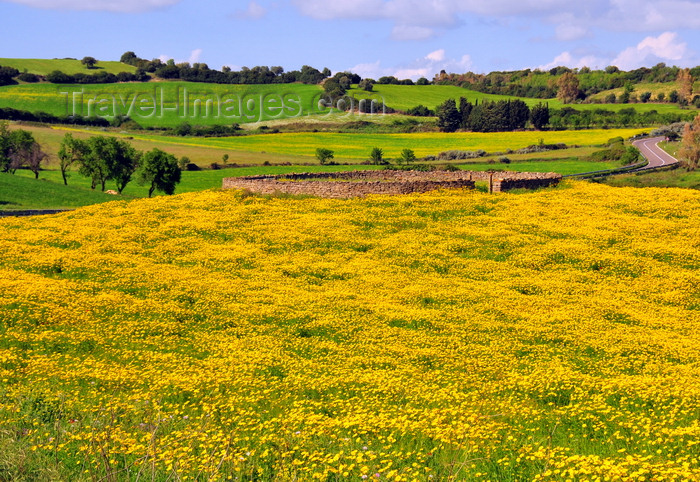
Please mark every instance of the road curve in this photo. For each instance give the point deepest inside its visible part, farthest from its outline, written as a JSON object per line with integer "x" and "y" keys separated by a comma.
{"x": 656, "y": 156}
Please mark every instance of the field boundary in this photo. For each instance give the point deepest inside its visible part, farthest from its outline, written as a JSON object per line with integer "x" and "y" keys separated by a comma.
{"x": 362, "y": 183}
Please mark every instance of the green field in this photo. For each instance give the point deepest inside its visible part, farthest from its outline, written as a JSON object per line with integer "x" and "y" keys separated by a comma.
{"x": 20, "y": 191}
{"x": 358, "y": 146}
{"x": 168, "y": 104}
{"x": 406, "y": 96}
{"x": 68, "y": 66}
{"x": 299, "y": 148}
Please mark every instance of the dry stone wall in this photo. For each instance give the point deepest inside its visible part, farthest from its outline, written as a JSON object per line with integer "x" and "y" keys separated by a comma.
{"x": 362, "y": 183}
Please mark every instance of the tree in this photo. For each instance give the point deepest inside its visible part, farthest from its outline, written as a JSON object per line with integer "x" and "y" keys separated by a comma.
{"x": 19, "y": 146}
{"x": 93, "y": 164}
{"x": 160, "y": 170}
{"x": 7, "y": 74}
{"x": 568, "y": 88}
{"x": 685, "y": 82}
{"x": 129, "y": 58}
{"x": 423, "y": 81}
{"x": 89, "y": 62}
{"x": 104, "y": 158}
{"x": 448, "y": 116}
{"x": 406, "y": 157}
{"x": 324, "y": 155}
{"x": 71, "y": 151}
{"x": 366, "y": 85}
{"x": 465, "y": 110}
{"x": 645, "y": 97}
{"x": 183, "y": 162}
{"x": 690, "y": 144}
{"x": 32, "y": 157}
{"x": 673, "y": 97}
{"x": 539, "y": 116}
{"x": 5, "y": 144}
{"x": 377, "y": 156}
{"x": 122, "y": 163}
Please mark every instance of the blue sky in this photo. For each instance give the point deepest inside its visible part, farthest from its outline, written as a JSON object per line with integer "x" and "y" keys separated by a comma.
{"x": 406, "y": 38}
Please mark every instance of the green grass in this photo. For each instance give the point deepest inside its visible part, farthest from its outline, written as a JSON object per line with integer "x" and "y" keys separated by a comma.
{"x": 22, "y": 191}
{"x": 654, "y": 87}
{"x": 672, "y": 178}
{"x": 68, "y": 66}
{"x": 404, "y": 97}
{"x": 358, "y": 146}
{"x": 19, "y": 191}
{"x": 167, "y": 104}
{"x": 299, "y": 148}
{"x": 572, "y": 165}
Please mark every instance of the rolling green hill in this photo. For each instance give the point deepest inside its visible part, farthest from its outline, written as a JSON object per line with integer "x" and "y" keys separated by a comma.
{"x": 167, "y": 104}
{"x": 21, "y": 192}
{"x": 404, "y": 97}
{"x": 68, "y": 66}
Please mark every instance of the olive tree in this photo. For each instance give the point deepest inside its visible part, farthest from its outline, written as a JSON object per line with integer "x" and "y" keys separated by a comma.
{"x": 160, "y": 170}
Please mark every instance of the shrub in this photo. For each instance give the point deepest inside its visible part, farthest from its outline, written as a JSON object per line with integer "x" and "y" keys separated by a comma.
{"x": 459, "y": 155}
{"x": 29, "y": 78}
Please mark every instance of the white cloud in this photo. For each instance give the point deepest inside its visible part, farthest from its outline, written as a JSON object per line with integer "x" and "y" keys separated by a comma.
{"x": 568, "y": 32}
{"x": 411, "y": 32}
{"x": 194, "y": 57}
{"x": 254, "y": 10}
{"x": 648, "y": 15}
{"x": 426, "y": 66}
{"x": 567, "y": 59}
{"x": 123, "y": 6}
{"x": 437, "y": 56}
{"x": 651, "y": 50}
{"x": 372, "y": 70}
{"x": 422, "y": 19}
{"x": 667, "y": 47}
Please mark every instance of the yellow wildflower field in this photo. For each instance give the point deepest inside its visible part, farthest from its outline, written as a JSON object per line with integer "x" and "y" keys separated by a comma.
{"x": 442, "y": 336}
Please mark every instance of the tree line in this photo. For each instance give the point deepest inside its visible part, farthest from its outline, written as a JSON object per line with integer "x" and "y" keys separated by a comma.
{"x": 505, "y": 115}
{"x": 509, "y": 115}
{"x": 102, "y": 159}
{"x": 99, "y": 158}
{"x": 548, "y": 84}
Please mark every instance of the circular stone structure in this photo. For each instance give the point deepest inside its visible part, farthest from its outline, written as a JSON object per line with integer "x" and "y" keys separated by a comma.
{"x": 362, "y": 183}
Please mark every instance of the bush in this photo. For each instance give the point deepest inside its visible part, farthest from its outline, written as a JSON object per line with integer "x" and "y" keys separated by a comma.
{"x": 459, "y": 155}
{"x": 192, "y": 167}
{"x": 420, "y": 111}
{"x": 29, "y": 78}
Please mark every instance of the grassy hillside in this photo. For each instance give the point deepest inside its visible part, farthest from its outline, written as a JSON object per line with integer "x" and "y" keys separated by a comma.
{"x": 358, "y": 146}
{"x": 20, "y": 191}
{"x": 168, "y": 104}
{"x": 406, "y": 96}
{"x": 460, "y": 336}
{"x": 300, "y": 148}
{"x": 68, "y": 66}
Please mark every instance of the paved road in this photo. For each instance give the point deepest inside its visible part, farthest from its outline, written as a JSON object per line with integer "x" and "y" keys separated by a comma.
{"x": 656, "y": 156}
